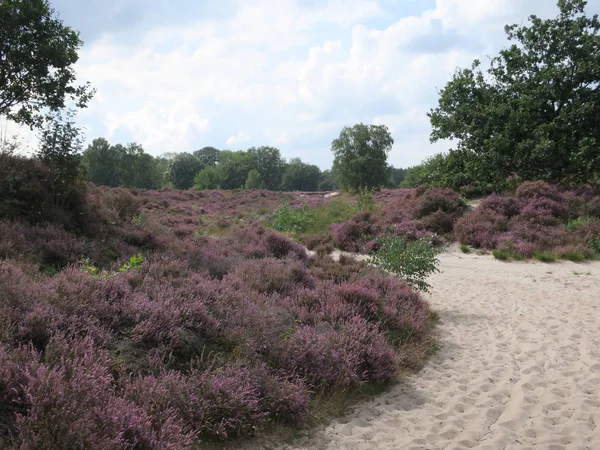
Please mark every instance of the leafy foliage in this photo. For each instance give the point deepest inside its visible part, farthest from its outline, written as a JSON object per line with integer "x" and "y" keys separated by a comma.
{"x": 37, "y": 65}
{"x": 361, "y": 156}
{"x": 413, "y": 261}
{"x": 533, "y": 113}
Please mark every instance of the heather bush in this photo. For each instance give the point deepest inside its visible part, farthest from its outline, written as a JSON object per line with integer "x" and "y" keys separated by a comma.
{"x": 269, "y": 276}
{"x": 152, "y": 334}
{"x": 439, "y": 199}
{"x": 350, "y": 235}
{"x": 533, "y": 189}
{"x": 505, "y": 206}
{"x": 439, "y": 222}
{"x": 480, "y": 228}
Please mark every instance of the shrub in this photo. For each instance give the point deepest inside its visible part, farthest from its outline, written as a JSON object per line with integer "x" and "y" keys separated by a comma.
{"x": 439, "y": 222}
{"x": 480, "y": 228}
{"x": 505, "y": 206}
{"x": 413, "y": 261}
{"x": 286, "y": 218}
{"x": 440, "y": 199}
{"x": 532, "y": 189}
{"x": 576, "y": 224}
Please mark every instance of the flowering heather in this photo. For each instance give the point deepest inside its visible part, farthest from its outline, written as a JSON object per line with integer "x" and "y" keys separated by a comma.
{"x": 534, "y": 221}
{"x": 203, "y": 338}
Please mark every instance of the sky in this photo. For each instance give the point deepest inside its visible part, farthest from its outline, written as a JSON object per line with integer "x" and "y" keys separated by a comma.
{"x": 178, "y": 75}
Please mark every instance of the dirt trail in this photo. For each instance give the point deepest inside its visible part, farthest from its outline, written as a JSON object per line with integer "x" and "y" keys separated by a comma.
{"x": 518, "y": 367}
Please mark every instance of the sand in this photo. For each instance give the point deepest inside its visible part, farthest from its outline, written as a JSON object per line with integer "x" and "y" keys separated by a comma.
{"x": 518, "y": 365}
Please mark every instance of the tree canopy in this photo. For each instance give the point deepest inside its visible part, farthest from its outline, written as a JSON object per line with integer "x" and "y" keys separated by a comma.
{"x": 535, "y": 112}
{"x": 361, "y": 156}
{"x": 37, "y": 55}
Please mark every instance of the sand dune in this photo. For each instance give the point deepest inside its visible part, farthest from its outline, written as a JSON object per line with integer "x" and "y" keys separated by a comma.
{"x": 518, "y": 368}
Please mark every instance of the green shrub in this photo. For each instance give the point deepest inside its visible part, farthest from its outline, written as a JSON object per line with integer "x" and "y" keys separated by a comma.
{"x": 365, "y": 200}
{"x": 465, "y": 248}
{"x": 287, "y": 218}
{"x": 576, "y": 224}
{"x": 134, "y": 261}
{"x": 413, "y": 261}
{"x": 595, "y": 244}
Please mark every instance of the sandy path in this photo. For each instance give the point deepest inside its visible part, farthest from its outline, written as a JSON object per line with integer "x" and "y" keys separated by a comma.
{"x": 519, "y": 365}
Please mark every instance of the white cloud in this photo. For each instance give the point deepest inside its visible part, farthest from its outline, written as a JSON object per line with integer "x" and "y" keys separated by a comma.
{"x": 292, "y": 73}
{"x": 239, "y": 138}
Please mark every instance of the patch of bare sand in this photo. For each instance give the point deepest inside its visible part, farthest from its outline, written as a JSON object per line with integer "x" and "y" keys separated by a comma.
{"x": 518, "y": 367}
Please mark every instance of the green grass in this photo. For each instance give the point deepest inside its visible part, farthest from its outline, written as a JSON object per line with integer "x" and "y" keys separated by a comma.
{"x": 502, "y": 255}
{"x": 574, "y": 256}
{"x": 546, "y": 257}
{"x": 311, "y": 221}
{"x": 465, "y": 248}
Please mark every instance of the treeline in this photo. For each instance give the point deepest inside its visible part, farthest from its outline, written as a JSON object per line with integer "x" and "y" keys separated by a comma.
{"x": 208, "y": 168}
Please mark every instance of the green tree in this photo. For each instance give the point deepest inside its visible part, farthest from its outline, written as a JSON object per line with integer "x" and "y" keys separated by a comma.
{"x": 269, "y": 164}
{"x": 209, "y": 156}
{"x": 207, "y": 178}
{"x": 232, "y": 170}
{"x": 137, "y": 169}
{"x": 182, "y": 170}
{"x": 534, "y": 111}
{"x": 101, "y": 161}
{"x": 254, "y": 180}
{"x": 299, "y": 176}
{"x": 60, "y": 146}
{"x": 361, "y": 156}
{"x": 37, "y": 57}
{"x": 397, "y": 176}
{"x": 327, "y": 181}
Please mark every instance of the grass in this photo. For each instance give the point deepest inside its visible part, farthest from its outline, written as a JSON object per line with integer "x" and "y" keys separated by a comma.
{"x": 574, "y": 256}
{"x": 588, "y": 273}
{"x": 545, "y": 257}
{"x": 305, "y": 221}
{"x": 502, "y": 255}
{"x": 465, "y": 248}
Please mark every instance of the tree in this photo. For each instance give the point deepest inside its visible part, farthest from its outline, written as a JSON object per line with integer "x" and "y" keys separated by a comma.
{"x": 299, "y": 176}
{"x": 207, "y": 178}
{"x": 60, "y": 146}
{"x": 101, "y": 163}
{"x": 182, "y": 170}
{"x": 269, "y": 164}
{"x": 327, "y": 181}
{"x": 209, "y": 156}
{"x": 37, "y": 55}
{"x": 397, "y": 176}
{"x": 361, "y": 156}
{"x": 232, "y": 170}
{"x": 254, "y": 180}
{"x": 535, "y": 110}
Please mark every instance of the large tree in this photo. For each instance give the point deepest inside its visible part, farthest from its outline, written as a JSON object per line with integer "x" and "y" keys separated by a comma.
{"x": 299, "y": 176}
{"x": 208, "y": 155}
{"x": 233, "y": 168}
{"x": 101, "y": 163}
{"x": 268, "y": 163}
{"x": 536, "y": 110}
{"x": 182, "y": 170}
{"x": 361, "y": 156}
{"x": 37, "y": 55}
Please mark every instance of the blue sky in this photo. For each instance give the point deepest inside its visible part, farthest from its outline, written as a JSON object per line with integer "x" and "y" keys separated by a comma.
{"x": 178, "y": 75}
